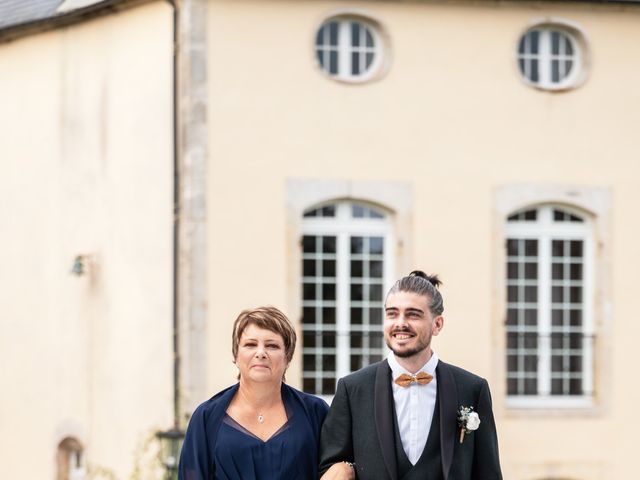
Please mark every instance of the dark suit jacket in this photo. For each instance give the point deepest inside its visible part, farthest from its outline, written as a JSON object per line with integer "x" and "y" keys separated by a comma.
{"x": 359, "y": 426}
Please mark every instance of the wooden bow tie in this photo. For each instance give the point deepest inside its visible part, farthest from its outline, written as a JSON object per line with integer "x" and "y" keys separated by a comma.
{"x": 405, "y": 379}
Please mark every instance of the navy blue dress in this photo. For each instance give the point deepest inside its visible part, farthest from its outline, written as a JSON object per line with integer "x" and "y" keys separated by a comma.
{"x": 217, "y": 447}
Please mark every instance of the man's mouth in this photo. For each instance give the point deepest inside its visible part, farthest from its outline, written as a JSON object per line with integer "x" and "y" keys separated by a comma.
{"x": 402, "y": 335}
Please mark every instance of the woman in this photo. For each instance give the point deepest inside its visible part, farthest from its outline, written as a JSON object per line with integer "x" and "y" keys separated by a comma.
{"x": 260, "y": 428}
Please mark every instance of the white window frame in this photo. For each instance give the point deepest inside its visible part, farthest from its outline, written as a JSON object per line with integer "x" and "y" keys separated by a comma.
{"x": 545, "y": 56}
{"x": 343, "y": 226}
{"x": 345, "y": 49}
{"x": 545, "y": 230}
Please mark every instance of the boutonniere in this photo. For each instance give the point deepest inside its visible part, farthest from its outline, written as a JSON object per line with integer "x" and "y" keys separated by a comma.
{"x": 468, "y": 421}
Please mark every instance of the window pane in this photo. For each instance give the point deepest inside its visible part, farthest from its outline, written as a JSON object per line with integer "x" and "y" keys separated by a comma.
{"x": 329, "y": 340}
{"x": 308, "y": 244}
{"x": 531, "y": 248}
{"x": 533, "y": 41}
{"x": 328, "y": 244}
{"x": 375, "y": 245}
{"x": 369, "y": 38}
{"x": 534, "y": 76}
{"x": 328, "y": 363}
{"x": 357, "y": 245}
{"x": 333, "y": 33}
{"x": 355, "y": 63}
{"x": 329, "y": 291}
{"x": 355, "y": 34}
{"x": 356, "y": 268}
{"x": 329, "y": 268}
{"x": 333, "y": 62}
{"x": 375, "y": 316}
{"x": 328, "y": 315}
{"x": 309, "y": 268}
{"x": 375, "y": 268}
{"x": 356, "y": 316}
{"x": 308, "y": 315}
{"x": 309, "y": 291}
{"x": 328, "y": 386}
{"x": 309, "y": 339}
{"x": 356, "y": 292}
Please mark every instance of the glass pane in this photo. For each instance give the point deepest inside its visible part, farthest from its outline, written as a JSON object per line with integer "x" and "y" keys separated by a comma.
{"x": 575, "y": 363}
{"x": 575, "y": 294}
{"x": 369, "y": 37}
{"x": 512, "y": 247}
{"x": 329, "y": 340}
{"x": 355, "y": 63}
{"x": 320, "y": 36}
{"x": 329, "y": 211}
{"x": 557, "y": 248}
{"x": 356, "y": 339}
{"x": 329, "y": 315}
{"x": 575, "y": 386}
{"x": 309, "y": 385}
{"x": 568, "y": 46}
{"x": 530, "y": 386}
{"x": 329, "y": 291}
{"x": 512, "y": 316}
{"x": 309, "y": 339}
{"x": 521, "y": 47}
{"x": 557, "y": 317}
{"x": 328, "y": 386}
{"x": 534, "y": 76}
{"x": 328, "y": 363}
{"x": 576, "y": 248}
{"x": 308, "y": 244}
{"x": 333, "y": 62}
{"x": 575, "y": 318}
{"x": 328, "y": 244}
{"x": 575, "y": 271}
{"x": 309, "y": 268}
{"x": 512, "y": 294}
{"x": 568, "y": 65}
{"x": 512, "y": 386}
{"x": 375, "y": 340}
{"x": 356, "y": 292}
{"x": 356, "y": 362}
{"x": 530, "y": 363}
{"x": 309, "y": 291}
{"x": 375, "y": 245}
{"x": 375, "y": 292}
{"x": 555, "y": 43}
{"x": 512, "y": 270}
{"x": 530, "y": 271}
{"x": 531, "y": 248}
{"x": 328, "y": 268}
{"x": 530, "y": 317}
{"x": 375, "y": 316}
{"x": 369, "y": 61}
{"x": 530, "y": 294}
{"x": 555, "y": 71}
{"x": 356, "y": 268}
{"x": 556, "y": 386}
{"x": 333, "y": 33}
{"x": 357, "y": 245}
{"x": 556, "y": 294}
{"x": 375, "y": 269}
{"x": 530, "y": 340}
{"x": 308, "y": 315}
{"x": 534, "y": 39}
{"x": 356, "y": 316}
{"x": 357, "y": 211}
{"x": 355, "y": 34}
{"x": 309, "y": 361}
{"x": 512, "y": 363}
{"x": 557, "y": 271}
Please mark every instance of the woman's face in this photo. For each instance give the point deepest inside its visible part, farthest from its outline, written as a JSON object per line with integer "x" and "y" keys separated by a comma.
{"x": 261, "y": 356}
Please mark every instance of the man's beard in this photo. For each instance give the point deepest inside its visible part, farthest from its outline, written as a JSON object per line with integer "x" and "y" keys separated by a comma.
{"x": 419, "y": 348}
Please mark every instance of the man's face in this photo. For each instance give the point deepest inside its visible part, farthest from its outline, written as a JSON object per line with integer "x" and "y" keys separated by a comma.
{"x": 409, "y": 324}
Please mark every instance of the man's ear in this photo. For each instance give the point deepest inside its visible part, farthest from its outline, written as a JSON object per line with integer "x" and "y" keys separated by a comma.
{"x": 438, "y": 323}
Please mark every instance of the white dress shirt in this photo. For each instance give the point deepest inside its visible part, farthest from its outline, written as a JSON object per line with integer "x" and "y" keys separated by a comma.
{"x": 414, "y": 407}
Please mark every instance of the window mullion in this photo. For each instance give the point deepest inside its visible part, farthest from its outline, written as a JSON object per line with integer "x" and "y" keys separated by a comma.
{"x": 544, "y": 52}
{"x": 344, "y": 47}
{"x": 343, "y": 295}
{"x": 544, "y": 315}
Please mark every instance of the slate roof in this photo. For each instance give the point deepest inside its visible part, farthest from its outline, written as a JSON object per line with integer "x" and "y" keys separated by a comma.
{"x": 19, "y": 15}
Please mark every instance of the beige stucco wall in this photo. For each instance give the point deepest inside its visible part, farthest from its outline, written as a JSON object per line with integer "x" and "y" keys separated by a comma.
{"x": 452, "y": 119}
{"x": 87, "y": 169}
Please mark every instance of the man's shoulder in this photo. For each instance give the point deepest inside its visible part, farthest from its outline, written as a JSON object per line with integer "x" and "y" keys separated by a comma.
{"x": 460, "y": 374}
{"x": 364, "y": 375}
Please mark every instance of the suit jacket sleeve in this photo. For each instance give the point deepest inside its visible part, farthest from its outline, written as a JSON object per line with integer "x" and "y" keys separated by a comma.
{"x": 486, "y": 461}
{"x": 336, "y": 442}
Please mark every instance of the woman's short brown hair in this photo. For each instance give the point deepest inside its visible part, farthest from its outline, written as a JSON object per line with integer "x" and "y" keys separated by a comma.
{"x": 269, "y": 318}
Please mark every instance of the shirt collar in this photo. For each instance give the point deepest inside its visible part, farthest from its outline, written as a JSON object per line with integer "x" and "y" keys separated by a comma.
{"x": 397, "y": 369}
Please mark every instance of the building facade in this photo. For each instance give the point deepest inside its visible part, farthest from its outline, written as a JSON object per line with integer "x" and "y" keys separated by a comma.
{"x": 323, "y": 149}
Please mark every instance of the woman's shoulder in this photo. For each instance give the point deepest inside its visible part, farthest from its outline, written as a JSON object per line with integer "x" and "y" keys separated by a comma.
{"x": 219, "y": 401}
{"x": 309, "y": 400}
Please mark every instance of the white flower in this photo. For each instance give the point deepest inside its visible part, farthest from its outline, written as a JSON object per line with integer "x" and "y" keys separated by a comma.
{"x": 473, "y": 421}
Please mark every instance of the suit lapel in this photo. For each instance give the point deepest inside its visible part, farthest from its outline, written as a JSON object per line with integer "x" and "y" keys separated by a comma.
{"x": 384, "y": 410}
{"x": 448, "y": 398}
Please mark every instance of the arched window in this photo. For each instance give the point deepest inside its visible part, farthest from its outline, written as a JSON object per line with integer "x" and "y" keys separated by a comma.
{"x": 345, "y": 271}
{"x": 70, "y": 460}
{"x": 549, "y": 306}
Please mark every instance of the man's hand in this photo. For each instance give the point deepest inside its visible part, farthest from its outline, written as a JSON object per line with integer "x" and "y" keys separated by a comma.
{"x": 339, "y": 471}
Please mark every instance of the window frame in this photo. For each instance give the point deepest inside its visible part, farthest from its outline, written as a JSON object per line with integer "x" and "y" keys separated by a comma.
{"x": 345, "y": 48}
{"x": 544, "y": 229}
{"x": 343, "y": 226}
{"x": 544, "y": 58}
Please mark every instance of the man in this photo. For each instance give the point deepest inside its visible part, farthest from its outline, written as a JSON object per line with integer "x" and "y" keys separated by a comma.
{"x": 399, "y": 419}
